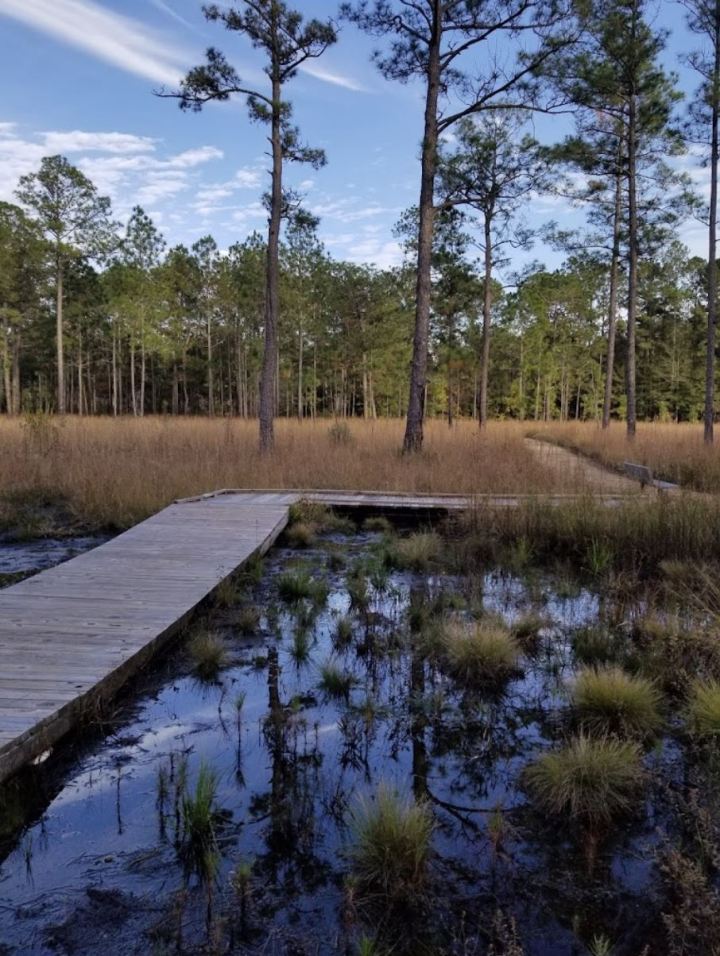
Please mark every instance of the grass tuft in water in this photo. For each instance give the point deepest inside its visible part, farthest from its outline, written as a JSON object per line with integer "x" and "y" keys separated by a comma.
{"x": 391, "y": 845}
{"x": 335, "y": 681}
{"x": 199, "y": 849}
{"x": 609, "y": 701}
{"x": 595, "y": 645}
{"x": 418, "y": 551}
{"x": 208, "y": 654}
{"x": 590, "y": 780}
{"x": 526, "y": 629}
{"x": 703, "y": 709}
{"x": 479, "y": 653}
{"x": 248, "y": 619}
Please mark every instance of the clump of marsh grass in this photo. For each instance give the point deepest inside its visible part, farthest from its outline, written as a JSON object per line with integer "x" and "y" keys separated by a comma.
{"x": 300, "y": 535}
{"x": 418, "y": 551}
{"x": 294, "y": 586}
{"x": 391, "y": 848}
{"x": 199, "y": 849}
{"x": 335, "y": 681}
{"x": 228, "y": 592}
{"x": 301, "y": 646}
{"x": 208, "y": 654}
{"x": 526, "y": 629}
{"x": 608, "y": 700}
{"x": 248, "y": 619}
{"x": 343, "y": 632}
{"x": 478, "y": 653}
{"x": 703, "y": 709}
{"x": 595, "y": 645}
{"x": 590, "y": 780}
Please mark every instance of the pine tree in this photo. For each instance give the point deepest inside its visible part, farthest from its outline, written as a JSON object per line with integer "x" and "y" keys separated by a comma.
{"x": 76, "y": 221}
{"x": 287, "y": 42}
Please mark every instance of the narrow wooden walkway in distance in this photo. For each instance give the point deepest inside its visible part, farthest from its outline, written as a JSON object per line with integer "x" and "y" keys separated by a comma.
{"x": 72, "y": 635}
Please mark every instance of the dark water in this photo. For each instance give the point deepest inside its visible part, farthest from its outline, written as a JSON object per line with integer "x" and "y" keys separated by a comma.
{"x": 97, "y": 869}
{"x": 21, "y": 558}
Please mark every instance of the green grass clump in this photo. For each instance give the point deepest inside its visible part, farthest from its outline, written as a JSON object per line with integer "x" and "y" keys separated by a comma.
{"x": 418, "y": 551}
{"x": 595, "y": 645}
{"x": 479, "y": 653}
{"x": 199, "y": 849}
{"x": 300, "y": 535}
{"x": 526, "y": 629}
{"x": 609, "y": 701}
{"x": 589, "y": 780}
{"x": 248, "y": 619}
{"x": 335, "y": 681}
{"x": 703, "y": 709}
{"x": 294, "y": 586}
{"x": 391, "y": 846}
{"x": 228, "y": 592}
{"x": 343, "y": 632}
{"x": 208, "y": 654}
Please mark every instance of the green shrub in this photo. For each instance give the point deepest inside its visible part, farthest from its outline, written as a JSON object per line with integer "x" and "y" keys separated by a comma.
{"x": 589, "y": 780}
{"x": 391, "y": 846}
{"x": 608, "y": 700}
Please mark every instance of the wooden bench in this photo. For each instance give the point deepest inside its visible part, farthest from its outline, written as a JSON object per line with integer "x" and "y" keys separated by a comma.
{"x": 644, "y": 475}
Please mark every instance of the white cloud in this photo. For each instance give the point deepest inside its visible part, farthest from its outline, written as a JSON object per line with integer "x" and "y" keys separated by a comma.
{"x": 195, "y": 157}
{"x": 112, "y": 37}
{"x": 79, "y": 141}
{"x": 330, "y": 76}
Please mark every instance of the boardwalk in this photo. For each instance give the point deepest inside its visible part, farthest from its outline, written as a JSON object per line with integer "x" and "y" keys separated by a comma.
{"x": 71, "y": 636}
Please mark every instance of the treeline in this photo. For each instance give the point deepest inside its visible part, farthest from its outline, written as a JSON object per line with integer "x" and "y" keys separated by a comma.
{"x": 180, "y": 331}
{"x": 99, "y": 319}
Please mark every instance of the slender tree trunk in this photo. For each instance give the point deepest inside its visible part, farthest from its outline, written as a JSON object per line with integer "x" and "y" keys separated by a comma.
{"x": 487, "y": 306}
{"x": 17, "y": 392}
{"x": 59, "y": 334}
{"x": 114, "y": 372}
{"x": 712, "y": 242}
{"x": 300, "y": 376}
{"x": 7, "y": 381}
{"x": 133, "y": 392}
{"x": 613, "y": 298}
{"x": 143, "y": 375}
{"x": 632, "y": 266}
{"x": 270, "y": 354}
{"x": 418, "y": 373}
{"x": 210, "y": 375}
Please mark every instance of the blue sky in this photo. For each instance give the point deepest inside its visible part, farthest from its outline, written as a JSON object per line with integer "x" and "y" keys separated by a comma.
{"x": 77, "y": 78}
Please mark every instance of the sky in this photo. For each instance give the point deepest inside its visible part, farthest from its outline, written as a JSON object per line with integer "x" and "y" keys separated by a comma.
{"x": 78, "y": 78}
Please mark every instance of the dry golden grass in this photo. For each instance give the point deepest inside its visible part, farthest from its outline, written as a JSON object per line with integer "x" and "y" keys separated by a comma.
{"x": 118, "y": 471}
{"x": 674, "y": 452}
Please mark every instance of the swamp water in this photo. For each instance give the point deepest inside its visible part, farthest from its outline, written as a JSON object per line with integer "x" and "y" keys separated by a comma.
{"x": 18, "y": 559}
{"x": 97, "y": 864}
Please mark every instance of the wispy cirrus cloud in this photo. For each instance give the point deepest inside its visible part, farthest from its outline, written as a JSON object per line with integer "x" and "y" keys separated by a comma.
{"x": 117, "y": 39}
{"x": 314, "y": 69}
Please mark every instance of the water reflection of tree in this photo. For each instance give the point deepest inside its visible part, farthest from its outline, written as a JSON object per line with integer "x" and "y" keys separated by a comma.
{"x": 292, "y": 860}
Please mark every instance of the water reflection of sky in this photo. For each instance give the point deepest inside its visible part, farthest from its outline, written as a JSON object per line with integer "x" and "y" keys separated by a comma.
{"x": 103, "y": 825}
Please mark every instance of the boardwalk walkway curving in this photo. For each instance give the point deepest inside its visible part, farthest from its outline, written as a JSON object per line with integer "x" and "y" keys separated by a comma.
{"x": 72, "y": 635}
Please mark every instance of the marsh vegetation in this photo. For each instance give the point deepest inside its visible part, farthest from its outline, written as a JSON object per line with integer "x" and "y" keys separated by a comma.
{"x": 444, "y": 744}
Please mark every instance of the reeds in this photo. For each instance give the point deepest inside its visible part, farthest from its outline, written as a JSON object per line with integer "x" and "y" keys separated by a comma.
{"x": 114, "y": 472}
{"x": 208, "y": 654}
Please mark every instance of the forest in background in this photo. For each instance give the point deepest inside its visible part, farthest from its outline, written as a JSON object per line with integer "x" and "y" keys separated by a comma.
{"x": 97, "y": 318}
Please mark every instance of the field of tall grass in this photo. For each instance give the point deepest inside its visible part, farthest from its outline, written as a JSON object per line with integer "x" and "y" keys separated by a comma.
{"x": 114, "y": 472}
{"x": 674, "y": 452}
